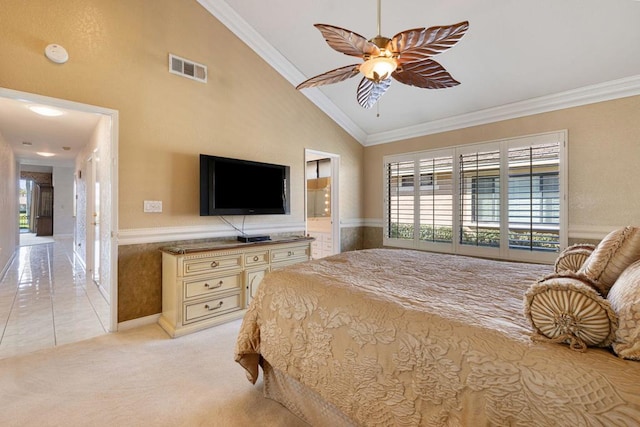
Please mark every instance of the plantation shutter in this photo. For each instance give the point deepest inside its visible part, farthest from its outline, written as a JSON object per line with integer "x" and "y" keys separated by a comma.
{"x": 400, "y": 200}
{"x": 534, "y": 197}
{"x": 480, "y": 198}
{"x": 436, "y": 199}
{"x": 503, "y": 199}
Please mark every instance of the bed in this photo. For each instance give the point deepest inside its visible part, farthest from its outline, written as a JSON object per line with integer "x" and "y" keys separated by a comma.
{"x": 392, "y": 337}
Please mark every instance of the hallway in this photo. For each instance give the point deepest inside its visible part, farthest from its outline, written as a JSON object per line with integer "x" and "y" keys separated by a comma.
{"x": 46, "y": 300}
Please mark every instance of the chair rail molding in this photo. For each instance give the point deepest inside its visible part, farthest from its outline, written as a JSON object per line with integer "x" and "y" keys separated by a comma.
{"x": 135, "y": 236}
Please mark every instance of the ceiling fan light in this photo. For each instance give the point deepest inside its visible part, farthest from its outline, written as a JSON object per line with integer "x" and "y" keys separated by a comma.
{"x": 378, "y": 68}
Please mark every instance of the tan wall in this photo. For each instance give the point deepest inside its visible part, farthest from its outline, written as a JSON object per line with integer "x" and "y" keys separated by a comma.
{"x": 8, "y": 203}
{"x": 118, "y": 59}
{"x": 603, "y": 151}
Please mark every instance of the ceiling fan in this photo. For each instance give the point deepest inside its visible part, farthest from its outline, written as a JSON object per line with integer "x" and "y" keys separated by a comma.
{"x": 406, "y": 57}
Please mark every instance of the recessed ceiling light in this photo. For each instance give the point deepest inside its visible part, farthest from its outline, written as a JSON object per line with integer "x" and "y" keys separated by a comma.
{"x": 45, "y": 154}
{"x": 45, "y": 111}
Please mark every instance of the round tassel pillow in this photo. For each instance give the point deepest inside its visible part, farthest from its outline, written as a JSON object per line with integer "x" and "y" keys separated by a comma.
{"x": 567, "y": 309}
{"x": 572, "y": 258}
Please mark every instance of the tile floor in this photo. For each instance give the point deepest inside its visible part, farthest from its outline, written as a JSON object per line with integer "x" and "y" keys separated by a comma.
{"x": 46, "y": 300}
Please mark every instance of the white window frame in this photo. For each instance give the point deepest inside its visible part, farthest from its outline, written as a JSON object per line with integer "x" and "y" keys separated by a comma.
{"x": 503, "y": 251}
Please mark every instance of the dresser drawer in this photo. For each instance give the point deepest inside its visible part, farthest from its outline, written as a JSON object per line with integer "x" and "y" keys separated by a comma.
{"x": 289, "y": 254}
{"x": 256, "y": 258}
{"x": 212, "y": 285}
{"x": 211, "y": 264}
{"x": 211, "y": 308}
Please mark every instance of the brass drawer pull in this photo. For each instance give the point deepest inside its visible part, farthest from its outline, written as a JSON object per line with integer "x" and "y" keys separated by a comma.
{"x": 214, "y": 264}
{"x": 214, "y": 308}
{"x": 216, "y": 286}
{"x": 255, "y": 258}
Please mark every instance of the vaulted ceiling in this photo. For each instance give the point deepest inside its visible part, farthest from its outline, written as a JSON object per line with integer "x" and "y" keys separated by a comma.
{"x": 517, "y": 58}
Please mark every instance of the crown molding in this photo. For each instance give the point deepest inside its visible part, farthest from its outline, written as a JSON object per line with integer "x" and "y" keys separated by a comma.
{"x": 606, "y": 91}
{"x": 238, "y": 26}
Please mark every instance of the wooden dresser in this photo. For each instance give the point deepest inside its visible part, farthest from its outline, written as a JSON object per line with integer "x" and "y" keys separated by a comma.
{"x": 207, "y": 284}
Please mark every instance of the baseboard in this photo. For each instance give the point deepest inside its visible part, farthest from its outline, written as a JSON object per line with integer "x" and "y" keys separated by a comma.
{"x": 7, "y": 265}
{"x": 140, "y": 321}
{"x": 80, "y": 259}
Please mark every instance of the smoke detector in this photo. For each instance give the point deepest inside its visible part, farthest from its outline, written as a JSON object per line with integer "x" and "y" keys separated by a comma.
{"x": 56, "y": 53}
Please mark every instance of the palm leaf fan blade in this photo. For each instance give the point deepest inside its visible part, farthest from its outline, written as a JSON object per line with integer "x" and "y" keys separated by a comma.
{"x": 333, "y": 76}
{"x": 369, "y": 91}
{"x": 430, "y": 41}
{"x": 415, "y": 55}
{"x": 347, "y": 42}
{"x": 426, "y": 74}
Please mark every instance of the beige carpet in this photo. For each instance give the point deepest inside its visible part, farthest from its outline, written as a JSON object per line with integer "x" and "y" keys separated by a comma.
{"x": 139, "y": 377}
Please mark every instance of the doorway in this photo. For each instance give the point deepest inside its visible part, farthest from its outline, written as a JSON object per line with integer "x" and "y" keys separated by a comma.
{"x": 322, "y": 202}
{"x": 102, "y": 183}
{"x": 26, "y": 213}
{"x": 93, "y": 235}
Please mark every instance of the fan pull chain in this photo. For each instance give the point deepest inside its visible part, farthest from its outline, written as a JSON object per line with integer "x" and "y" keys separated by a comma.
{"x": 378, "y": 109}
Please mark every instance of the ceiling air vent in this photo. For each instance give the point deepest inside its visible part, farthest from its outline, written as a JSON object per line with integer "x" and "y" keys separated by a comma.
{"x": 186, "y": 68}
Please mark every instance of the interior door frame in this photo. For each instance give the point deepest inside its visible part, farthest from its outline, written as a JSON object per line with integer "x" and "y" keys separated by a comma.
{"x": 112, "y": 221}
{"x": 310, "y": 155}
{"x": 92, "y": 198}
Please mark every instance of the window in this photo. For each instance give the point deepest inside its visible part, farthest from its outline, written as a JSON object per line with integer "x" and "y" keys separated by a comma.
{"x": 502, "y": 199}
{"x": 485, "y": 201}
{"x": 480, "y": 198}
{"x": 400, "y": 209}
{"x": 534, "y": 197}
{"x": 426, "y": 180}
{"x": 435, "y": 197}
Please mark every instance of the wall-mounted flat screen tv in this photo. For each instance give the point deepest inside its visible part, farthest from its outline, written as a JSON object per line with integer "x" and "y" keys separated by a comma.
{"x": 242, "y": 187}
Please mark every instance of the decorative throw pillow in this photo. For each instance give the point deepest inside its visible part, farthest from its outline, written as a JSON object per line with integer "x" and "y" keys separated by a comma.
{"x": 624, "y": 298}
{"x": 567, "y": 309}
{"x": 618, "y": 250}
{"x": 572, "y": 257}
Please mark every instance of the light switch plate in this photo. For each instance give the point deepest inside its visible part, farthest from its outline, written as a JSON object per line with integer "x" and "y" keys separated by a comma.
{"x": 153, "y": 206}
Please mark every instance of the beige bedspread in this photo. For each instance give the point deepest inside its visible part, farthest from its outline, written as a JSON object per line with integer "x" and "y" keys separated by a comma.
{"x": 404, "y": 338}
